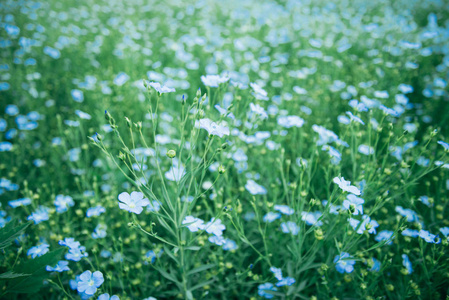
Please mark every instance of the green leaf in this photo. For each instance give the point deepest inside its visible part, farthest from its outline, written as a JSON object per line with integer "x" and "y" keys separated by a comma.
{"x": 200, "y": 285}
{"x": 200, "y": 269}
{"x": 11, "y": 274}
{"x": 168, "y": 276}
{"x": 37, "y": 273}
{"x": 193, "y": 248}
{"x": 170, "y": 254}
{"x": 10, "y": 232}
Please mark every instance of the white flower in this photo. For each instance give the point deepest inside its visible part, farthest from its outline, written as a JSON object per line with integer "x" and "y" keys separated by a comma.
{"x": 214, "y": 80}
{"x": 161, "y": 89}
{"x": 254, "y": 188}
{"x": 258, "y": 110}
{"x": 346, "y": 186}
{"x": 133, "y": 203}
{"x": 195, "y": 224}
{"x": 219, "y": 129}
{"x": 215, "y": 227}
{"x": 259, "y": 92}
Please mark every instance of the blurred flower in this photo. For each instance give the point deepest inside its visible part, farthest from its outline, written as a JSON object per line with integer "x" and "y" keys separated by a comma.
{"x": 38, "y": 250}
{"x": 407, "y": 264}
{"x": 264, "y": 290}
{"x": 60, "y": 267}
{"x": 254, "y": 188}
{"x": 161, "y": 89}
{"x": 219, "y": 129}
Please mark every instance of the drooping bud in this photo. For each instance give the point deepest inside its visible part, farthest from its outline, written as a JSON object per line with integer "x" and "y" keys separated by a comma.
{"x": 128, "y": 122}
{"x": 138, "y": 126}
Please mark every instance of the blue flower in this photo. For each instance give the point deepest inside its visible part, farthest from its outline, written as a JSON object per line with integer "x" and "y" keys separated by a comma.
{"x": 428, "y": 237}
{"x": 407, "y": 213}
{"x": 444, "y": 144}
{"x": 407, "y": 264}
{"x": 217, "y": 240}
{"x": 290, "y": 227}
{"x": 259, "y": 92}
{"x": 69, "y": 242}
{"x": 286, "y": 210}
{"x": 194, "y": 224}
{"x": 346, "y": 186}
{"x": 385, "y": 235}
{"x": 107, "y": 297}
{"x": 121, "y": 79}
{"x": 366, "y": 150}
{"x": 41, "y": 214}
{"x": 264, "y": 290}
{"x": 60, "y": 267}
{"x": 376, "y": 265}
{"x": 12, "y": 30}
{"x": 215, "y": 227}
{"x": 52, "y": 52}
{"x": 100, "y": 231}
{"x": 219, "y": 129}
{"x": 95, "y": 211}
{"x": 88, "y": 282}
{"x": 445, "y": 231}
{"x": 83, "y": 115}
{"x": 254, "y": 188}
{"x": 133, "y": 203}
{"x": 288, "y": 281}
{"x": 258, "y": 110}
{"x": 355, "y": 118}
{"x": 343, "y": 264}
{"x": 76, "y": 254}
{"x": 38, "y": 250}
{"x": 214, "y": 80}
{"x": 230, "y": 245}
{"x": 410, "y": 233}
{"x": 311, "y": 218}
{"x": 62, "y": 203}
{"x": 425, "y": 200}
{"x": 271, "y": 216}
{"x": 5, "y": 146}
{"x": 161, "y": 89}
{"x": 290, "y": 121}
{"x": 367, "y": 224}
{"x": 353, "y": 204}
{"x": 151, "y": 256}
{"x": 77, "y": 95}
{"x": 11, "y": 110}
{"x": 3, "y": 123}
{"x": 277, "y": 272}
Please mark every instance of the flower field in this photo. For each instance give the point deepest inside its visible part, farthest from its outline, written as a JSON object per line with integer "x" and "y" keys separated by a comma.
{"x": 224, "y": 149}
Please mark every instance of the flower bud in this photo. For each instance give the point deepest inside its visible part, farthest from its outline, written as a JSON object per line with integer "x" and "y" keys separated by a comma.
{"x": 221, "y": 169}
{"x": 171, "y": 153}
{"x": 319, "y": 234}
{"x": 138, "y": 126}
{"x": 128, "y": 122}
